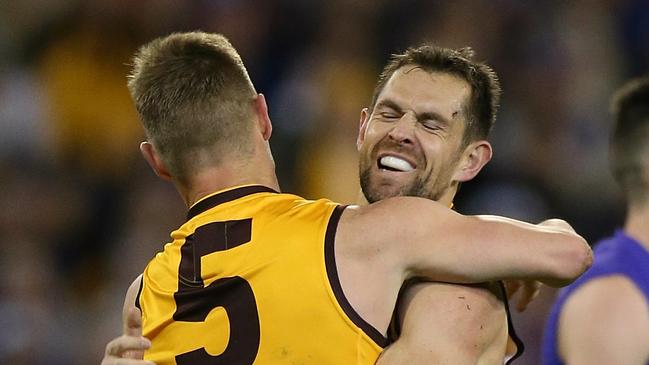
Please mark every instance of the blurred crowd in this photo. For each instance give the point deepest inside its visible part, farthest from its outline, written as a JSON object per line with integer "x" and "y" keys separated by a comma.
{"x": 81, "y": 213}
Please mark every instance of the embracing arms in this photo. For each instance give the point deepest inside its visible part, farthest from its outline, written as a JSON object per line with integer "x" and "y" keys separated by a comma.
{"x": 419, "y": 237}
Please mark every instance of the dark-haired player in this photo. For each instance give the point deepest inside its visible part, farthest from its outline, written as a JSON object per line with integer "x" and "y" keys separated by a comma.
{"x": 603, "y": 318}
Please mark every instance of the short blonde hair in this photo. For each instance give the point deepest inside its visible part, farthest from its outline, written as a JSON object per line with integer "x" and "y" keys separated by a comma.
{"x": 193, "y": 93}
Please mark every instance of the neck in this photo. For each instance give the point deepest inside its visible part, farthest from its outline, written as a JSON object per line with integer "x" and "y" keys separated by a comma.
{"x": 637, "y": 224}
{"x": 218, "y": 178}
{"x": 361, "y": 200}
{"x": 446, "y": 199}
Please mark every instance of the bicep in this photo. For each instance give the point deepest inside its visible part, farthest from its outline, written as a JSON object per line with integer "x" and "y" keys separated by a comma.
{"x": 605, "y": 322}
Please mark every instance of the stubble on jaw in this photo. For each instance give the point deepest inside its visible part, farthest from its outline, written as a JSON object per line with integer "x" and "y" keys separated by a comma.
{"x": 420, "y": 186}
{"x": 416, "y": 188}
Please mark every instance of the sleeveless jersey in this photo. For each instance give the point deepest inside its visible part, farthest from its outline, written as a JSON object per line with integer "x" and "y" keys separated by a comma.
{"x": 515, "y": 346}
{"x": 250, "y": 278}
{"x": 617, "y": 255}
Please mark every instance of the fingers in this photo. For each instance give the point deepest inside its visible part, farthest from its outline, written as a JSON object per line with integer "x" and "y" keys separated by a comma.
{"x": 112, "y": 360}
{"x": 122, "y": 344}
{"x": 127, "y": 350}
{"x": 133, "y": 325}
{"x": 511, "y": 287}
{"x": 531, "y": 290}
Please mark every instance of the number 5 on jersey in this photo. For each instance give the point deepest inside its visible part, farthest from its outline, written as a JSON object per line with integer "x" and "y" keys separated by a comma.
{"x": 194, "y": 300}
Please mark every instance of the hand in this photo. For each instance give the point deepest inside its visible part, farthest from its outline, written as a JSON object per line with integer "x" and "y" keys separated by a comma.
{"x": 128, "y": 349}
{"x": 530, "y": 290}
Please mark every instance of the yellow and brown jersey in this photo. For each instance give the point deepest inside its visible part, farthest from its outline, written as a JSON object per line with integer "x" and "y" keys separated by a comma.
{"x": 251, "y": 278}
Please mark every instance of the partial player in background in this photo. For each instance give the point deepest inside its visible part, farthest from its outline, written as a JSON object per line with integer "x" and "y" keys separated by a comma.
{"x": 603, "y": 318}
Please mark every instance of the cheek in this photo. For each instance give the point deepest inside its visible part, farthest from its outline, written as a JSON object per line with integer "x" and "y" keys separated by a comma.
{"x": 438, "y": 160}
{"x": 372, "y": 137}
{"x": 365, "y": 153}
{"x": 376, "y": 130}
{"x": 433, "y": 152}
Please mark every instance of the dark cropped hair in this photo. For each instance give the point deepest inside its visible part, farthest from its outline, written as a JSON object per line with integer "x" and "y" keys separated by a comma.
{"x": 484, "y": 101}
{"x": 193, "y": 94}
{"x": 629, "y": 148}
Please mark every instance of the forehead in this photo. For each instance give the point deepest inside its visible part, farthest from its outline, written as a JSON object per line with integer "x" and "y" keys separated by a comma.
{"x": 420, "y": 90}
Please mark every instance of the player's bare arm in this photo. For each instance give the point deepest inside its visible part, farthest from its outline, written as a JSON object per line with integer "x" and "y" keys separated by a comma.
{"x": 605, "y": 322}
{"x": 417, "y": 237}
{"x": 129, "y": 348}
{"x": 450, "y": 324}
{"x": 381, "y": 245}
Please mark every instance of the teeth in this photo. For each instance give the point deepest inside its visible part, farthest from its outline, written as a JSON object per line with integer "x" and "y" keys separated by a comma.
{"x": 396, "y": 163}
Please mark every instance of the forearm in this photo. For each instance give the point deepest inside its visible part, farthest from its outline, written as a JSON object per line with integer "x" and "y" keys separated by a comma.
{"x": 488, "y": 248}
{"x": 429, "y": 240}
{"x": 550, "y": 251}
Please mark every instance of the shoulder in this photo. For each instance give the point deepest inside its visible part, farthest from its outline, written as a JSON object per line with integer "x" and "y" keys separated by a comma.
{"x": 613, "y": 296}
{"x": 382, "y": 227}
{"x": 397, "y": 216}
{"x": 608, "y": 315}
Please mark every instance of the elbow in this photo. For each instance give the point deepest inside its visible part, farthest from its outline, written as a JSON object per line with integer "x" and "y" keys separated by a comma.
{"x": 583, "y": 258}
{"x": 577, "y": 257}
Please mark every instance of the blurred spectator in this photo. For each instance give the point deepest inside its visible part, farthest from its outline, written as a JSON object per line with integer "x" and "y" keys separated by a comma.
{"x": 78, "y": 204}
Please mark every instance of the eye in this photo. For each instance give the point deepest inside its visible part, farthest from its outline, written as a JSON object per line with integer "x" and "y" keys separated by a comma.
{"x": 389, "y": 115}
{"x": 430, "y": 125}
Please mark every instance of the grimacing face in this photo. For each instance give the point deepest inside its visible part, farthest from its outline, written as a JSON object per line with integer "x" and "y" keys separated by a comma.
{"x": 411, "y": 143}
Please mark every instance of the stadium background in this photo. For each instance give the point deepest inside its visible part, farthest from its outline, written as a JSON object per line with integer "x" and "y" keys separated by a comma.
{"x": 81, "y": 213}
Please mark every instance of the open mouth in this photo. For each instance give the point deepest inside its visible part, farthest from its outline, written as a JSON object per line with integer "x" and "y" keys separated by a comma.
{"x": 393, "y": 163}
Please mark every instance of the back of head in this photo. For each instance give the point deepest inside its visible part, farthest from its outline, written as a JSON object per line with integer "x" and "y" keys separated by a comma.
{"x": 630, "y": 140}
{"x": 195, "y": 100}
{"x": 480, "y": 111}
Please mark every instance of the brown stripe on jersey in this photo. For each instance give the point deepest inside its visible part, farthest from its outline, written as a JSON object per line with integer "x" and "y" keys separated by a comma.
{"x": 332, "y": 273}
{"x": 213, "y": 237}
{"x": 224, "y": 197}
{"x": 520, "y": 347}
{"x": 139, "y": 292}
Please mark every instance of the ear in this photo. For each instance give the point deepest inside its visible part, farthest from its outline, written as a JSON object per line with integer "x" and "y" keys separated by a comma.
{"x": 475, "y": 156}
{"x": 261, "y": 109}
{"x": 365, "y": 118}
{"x": 153, "y": 159}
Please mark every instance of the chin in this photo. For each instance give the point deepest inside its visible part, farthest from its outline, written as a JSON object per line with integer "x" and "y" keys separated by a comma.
{"x": 374, "y": 195}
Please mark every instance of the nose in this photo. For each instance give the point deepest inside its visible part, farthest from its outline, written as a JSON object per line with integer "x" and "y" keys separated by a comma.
{"x": 403, "y": 130}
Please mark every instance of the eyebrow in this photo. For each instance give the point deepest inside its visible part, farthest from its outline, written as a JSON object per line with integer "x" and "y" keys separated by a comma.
{"x": 387, "y": 103}
{"x": 432, "y": 115}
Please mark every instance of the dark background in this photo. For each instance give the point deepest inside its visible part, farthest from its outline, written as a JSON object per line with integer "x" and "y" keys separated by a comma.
{"x": 81, "y": 214}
